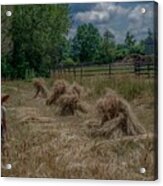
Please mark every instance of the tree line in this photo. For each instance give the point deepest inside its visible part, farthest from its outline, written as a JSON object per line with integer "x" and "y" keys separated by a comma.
{"x": 35, "y": 40}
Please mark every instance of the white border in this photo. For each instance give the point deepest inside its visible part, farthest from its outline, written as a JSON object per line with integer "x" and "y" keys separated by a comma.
{"x": 33, "y": 182}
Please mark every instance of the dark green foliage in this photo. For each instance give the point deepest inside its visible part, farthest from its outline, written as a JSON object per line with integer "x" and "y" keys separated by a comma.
{"x": 130, "y": 46}
{"x": 86, "y": 43}
{"x": 6, "y": 40}
{"x": 121, "y": 52}
{"x": 38, "y": 33}
{"x": 149, "y": 44}
{"x": 107, "y": 50}
{"x": 129, "y": 40}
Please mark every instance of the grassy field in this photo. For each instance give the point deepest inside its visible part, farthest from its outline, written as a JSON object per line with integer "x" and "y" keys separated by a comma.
{"x": 42, "y": 143}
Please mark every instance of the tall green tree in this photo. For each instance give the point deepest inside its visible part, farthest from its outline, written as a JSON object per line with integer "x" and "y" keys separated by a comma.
{"x": 129, "y": 40}
{"x": 107, "y": 52}
{"x": 38, "y": 32}
{"x": 86, "y": 43}
{"x": 133, "y": 47}
{"x": 149, "y": 43}
{"x": 6, "y": 41}
{"x": 121, "y": 51}
{"x": 67, "y": 56}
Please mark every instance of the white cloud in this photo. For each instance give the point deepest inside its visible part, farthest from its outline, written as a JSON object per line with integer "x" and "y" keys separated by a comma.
{"x": 92, "y": 16}
{"x": 102, "y": 12}
{"x": 118, "y": 19}
{"x": 138, "y": 22}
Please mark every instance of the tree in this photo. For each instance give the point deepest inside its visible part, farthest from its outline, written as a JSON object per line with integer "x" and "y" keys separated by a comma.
{"x": 38, "y": 33}
{"x": 6, "y": 26}
{"x": 86, "y": 43}
{"x": 132, "y": 45}
{"x": 129, "y": 40}
{"x": 121, "y": 51}
{"x": 138, "y": 48}
{"x": 6, "y": 40}
{"x": 67, "y": 57}
{"x": 107, "y": 52}
{"x": 109, "y": 36}
{"x": 149, "y": 43}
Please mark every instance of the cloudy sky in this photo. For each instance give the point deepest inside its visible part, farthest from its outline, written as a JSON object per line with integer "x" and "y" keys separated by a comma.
{"x": 117, "y": 17}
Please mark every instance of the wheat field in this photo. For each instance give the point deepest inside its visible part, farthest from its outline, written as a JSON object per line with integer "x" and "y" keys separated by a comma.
{"x": 42, "y": 143}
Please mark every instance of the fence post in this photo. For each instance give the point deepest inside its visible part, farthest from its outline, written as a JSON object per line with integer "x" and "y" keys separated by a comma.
{"x": 135, "y": 69}
{"x": 69, "y": 70}
{"x": 109, "y": 69}
{"x": 74, "y": 72}
{"x": 59, "y": 71}
{"x": 148, "y": 69}
{"x": 62, "y": 72}
{"x": 52, "y": 73}
{"x": 139, "y": 69}
{"x": 81, "y": 73}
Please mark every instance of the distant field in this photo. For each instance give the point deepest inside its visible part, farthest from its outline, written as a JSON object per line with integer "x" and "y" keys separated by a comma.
{"x": 43, "y": 143}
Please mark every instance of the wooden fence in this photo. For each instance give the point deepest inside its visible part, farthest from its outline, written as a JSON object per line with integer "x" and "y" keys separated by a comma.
{"x": 87, "y": 70}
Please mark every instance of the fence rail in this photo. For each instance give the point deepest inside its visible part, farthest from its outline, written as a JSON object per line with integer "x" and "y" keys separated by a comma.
{"x": 87, "y": 70}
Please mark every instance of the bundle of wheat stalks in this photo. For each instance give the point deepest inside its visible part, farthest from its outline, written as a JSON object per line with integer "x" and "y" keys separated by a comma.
{"x": 40, "y": 86}
{"x": 67, "y": 97}
{"x": 117, "y": 118}
{"x": 59, "y": 88}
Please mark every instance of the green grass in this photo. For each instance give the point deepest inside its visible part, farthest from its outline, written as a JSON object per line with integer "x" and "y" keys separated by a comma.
{"x": 129, "y": 87}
